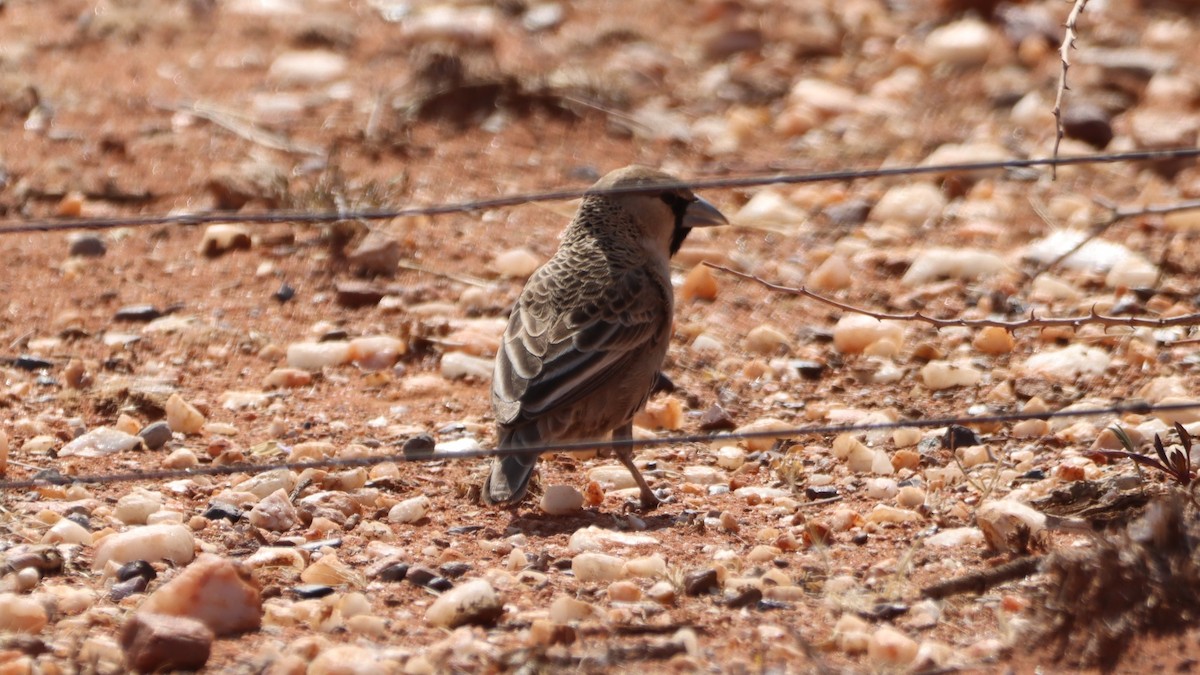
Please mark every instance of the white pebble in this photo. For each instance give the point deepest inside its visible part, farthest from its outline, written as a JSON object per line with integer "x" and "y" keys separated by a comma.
{"x": 1132, "y": 272}
{"x": 731, "y": 457}
{"x": 182, "y": 416}
{"x": 21, "y": 614}
{"x": 307, "y": 67}
{"x": 961, "y": 43}
{"x": 409, "y": 510}
{"x": 456, "y": 365}
{"x": 889, "y": 647}
{"x": 1069, "y": 363}
{"x": 771, "y": 210}
{"x": 652, "y": 566}
{"x": 703, "y": 475}
{"x": 473, "y": 602}
{"x": 221, "y": 238}
{"x": 67, "y": 531}
{"x": 767, "y": 340}
{"x": 100, "y": 442}
{"x": 833, "y": 274}
{"x": 566, "y": 609}
{"x": 911, "y": 204}
{"x": 624, "y": 591}
{"x": 910, "y": 497}
{"x": 882, "y": 488}
{"x": 275, "y": 513}
{"x": 136, "y": 507}
{"x": 591, "y": 566}
{"x": 942, "y": 263}
{"x": 958, "y": 536}
{"x": 1008, "y": 525}
{"x": 517, "y": 263}
{"x": 938, "y": 375}
{"x": 317, "y": 355}
{"x": 559, "y": 500}
{"x": 592, "y": 538}
{"x": 170, "y": 542}
{"x": 882, "y": 513}
{"x": 994, "y": 340}
{"x": 764, "y": 425}
{"x": 854, "y": 333}
{"x": 375, "y": 352}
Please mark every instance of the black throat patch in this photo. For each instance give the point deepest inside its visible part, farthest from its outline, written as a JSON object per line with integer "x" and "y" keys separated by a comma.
{"x": 679, "y": 207}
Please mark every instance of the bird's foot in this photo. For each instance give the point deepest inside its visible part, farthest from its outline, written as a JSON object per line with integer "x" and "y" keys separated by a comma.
{"x": 647, "y": 503}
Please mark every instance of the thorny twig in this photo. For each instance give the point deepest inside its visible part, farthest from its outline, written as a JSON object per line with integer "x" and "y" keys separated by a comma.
{"x": 1068, "y": 43}
{"x": 1033, "y": 321}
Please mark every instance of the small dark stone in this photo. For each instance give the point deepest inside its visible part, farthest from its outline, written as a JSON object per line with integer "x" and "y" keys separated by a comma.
{"x": 850, "y": 213}
{"x": 159, "y": 643}
{"x": 32, "y": 363}
{"x": 80, "y": 519}
{"x": 886, "y": 611}
{"x": 820, "y": 492}
{"x": 137, "y": 313}
{"x": 859, "y": 539}
{"x": 310, "y": 591}
{"x": 1089, "y": 123}
{"x": 227, "y": 511}
{"x": 1034, "y": 474}
{"x": 156, "y": 434}
{"x": 335, "y": 335}
{"x": 440, "y": 584}
{"x": 809, "y": 370}
{"x": 124, "y": 589}
{"x": 421, "y": 444}
{"x": 748, "y": 596}
{"x": 394, "y": 572}
{"x": 700, "y": 582}
{"x": 355, "y": 294}
{"x": 284, "y": 293}
{"x": 716, "y": 419}
{"x": 137, "y": 568}
{"x": 958, "y": 436}
{"x": 561, "y": 564}
{"x": 767, "y": 605}
{"x": 726, "y": 43}
{"x": 454, "y": 570}
{"x": 421, "y": 576}
{"x": 87, "y": 245}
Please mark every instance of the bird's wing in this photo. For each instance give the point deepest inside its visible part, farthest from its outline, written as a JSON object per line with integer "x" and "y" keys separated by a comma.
{"x": 552, "y": 358}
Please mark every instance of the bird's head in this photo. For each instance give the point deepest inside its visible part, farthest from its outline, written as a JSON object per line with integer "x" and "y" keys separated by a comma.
{"x": 661, "y": 211}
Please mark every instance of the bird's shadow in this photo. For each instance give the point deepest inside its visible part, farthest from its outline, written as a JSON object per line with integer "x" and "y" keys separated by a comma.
{"x": 533, "y": 522}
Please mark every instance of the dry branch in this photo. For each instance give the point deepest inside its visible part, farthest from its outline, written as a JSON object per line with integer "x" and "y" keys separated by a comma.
{"x": 1032, "y": 322}
{"x": 1064, "y": 52}
{"x": 980, "y": 582}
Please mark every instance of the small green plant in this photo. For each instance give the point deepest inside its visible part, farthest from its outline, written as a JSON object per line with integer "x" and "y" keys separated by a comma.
{"x": 1175, "y": 463}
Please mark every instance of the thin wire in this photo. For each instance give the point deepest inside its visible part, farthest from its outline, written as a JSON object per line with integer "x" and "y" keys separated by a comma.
{"x": 60, "y": 224}
{"x": 458, "y": 455}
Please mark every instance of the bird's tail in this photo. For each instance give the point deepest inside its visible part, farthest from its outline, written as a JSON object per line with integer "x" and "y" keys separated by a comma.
{"x": 508, "y": 482}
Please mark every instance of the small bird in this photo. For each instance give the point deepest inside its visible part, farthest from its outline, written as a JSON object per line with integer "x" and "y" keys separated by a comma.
{"x": 587, "y": 337}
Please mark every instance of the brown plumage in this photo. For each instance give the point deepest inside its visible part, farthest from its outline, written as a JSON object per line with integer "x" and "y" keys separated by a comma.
{"x": 589, "y": 332}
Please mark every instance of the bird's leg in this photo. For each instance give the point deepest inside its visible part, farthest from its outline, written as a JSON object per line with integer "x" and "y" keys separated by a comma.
{"x": 649, "y": 500}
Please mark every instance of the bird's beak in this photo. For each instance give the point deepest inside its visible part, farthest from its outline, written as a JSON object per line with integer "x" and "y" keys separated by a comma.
{"x": 701, "y": 213}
